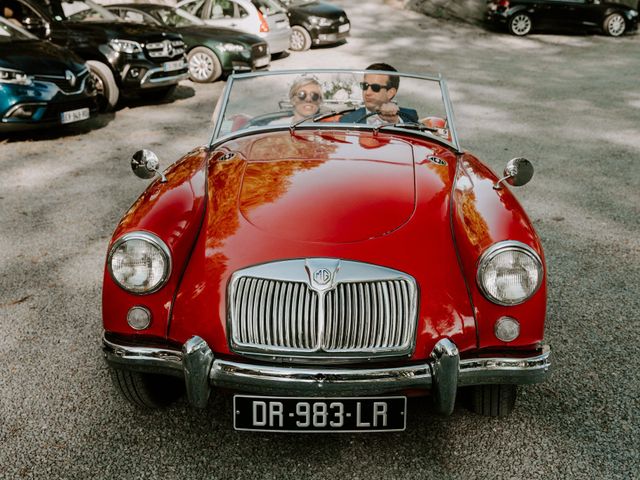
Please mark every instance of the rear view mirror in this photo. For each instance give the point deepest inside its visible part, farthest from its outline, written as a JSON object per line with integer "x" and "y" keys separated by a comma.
{"x": 518, "y": 172}
{"x": 145, "y": 165}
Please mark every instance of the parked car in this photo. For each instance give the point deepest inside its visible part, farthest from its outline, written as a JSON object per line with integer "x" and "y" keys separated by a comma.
{"x": 315, "y": 23}
{"x": 265, "y": 18}
{"x": 326, "y": 269}
{"x": 123, "y": 58}
{"x": 523, "y": 16}
{"x": 211, "y": 51}
{"x": 41, "y": 84}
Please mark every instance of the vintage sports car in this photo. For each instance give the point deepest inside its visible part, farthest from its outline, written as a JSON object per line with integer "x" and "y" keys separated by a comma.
{"x": 326, "y": 269}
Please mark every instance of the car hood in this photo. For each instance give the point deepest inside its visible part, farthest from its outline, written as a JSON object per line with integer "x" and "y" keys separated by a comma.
{"x": 312, "y": 188}
{"x": 319, "y": 9}
{"x": 39, "y": 58}
{"x": 122, "y": 30}
{"x": 206, "y": 32}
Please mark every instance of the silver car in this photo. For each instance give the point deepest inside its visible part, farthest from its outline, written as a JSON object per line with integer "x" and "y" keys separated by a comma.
{"x": 265, "y": 18}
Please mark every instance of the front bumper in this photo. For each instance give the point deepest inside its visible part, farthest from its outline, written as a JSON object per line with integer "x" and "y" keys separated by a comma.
{"x": 329, "y": 35}
{"x": 442, "y": 374}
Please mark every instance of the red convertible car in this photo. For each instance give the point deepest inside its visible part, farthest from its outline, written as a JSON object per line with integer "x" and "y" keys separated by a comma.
{"x": 326, "y": 268}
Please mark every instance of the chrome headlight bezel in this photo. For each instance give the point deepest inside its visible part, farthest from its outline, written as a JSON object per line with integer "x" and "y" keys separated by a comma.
{"x": 320, "y": 21}
{"x": 494, "y": 251}
{"x": 155, "y": 242}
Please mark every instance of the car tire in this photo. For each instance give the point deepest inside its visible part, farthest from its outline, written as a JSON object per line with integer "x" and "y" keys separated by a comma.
{"x": 106, "y": 86}
{"x": 520, "y": 24}
{"x": 300, "y": 39}
{"x": 614, "y": 25}
{"x": 204, "y": 65}
{"x": 493, "y": 400}
{"x": 147, "y": 390}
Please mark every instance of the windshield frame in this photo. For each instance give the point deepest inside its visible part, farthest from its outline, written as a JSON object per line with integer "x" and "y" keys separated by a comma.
{"x": 224, "y": 98}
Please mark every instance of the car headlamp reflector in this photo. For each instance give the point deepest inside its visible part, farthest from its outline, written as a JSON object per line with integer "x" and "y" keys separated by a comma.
{"x": 125, "y": 46}
{"x": 509, "y": 273}
{"x": 320, "y": 21}
{"x": 8, "y": 75}
{"x": 139, "y": 262}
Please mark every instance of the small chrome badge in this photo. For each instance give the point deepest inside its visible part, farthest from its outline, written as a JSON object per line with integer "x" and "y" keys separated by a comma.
{"x": 70, "y": 77}
{"x": 322, "y": 272}
{"x": 322, "y": 276}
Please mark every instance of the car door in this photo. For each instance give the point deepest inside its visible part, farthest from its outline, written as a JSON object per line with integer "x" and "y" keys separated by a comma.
{"x": 566, "y": 14}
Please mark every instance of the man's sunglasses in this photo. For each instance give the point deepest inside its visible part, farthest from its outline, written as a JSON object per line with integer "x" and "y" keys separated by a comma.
{"x": 310, "y": 97}
{"x": 376, "y": 87}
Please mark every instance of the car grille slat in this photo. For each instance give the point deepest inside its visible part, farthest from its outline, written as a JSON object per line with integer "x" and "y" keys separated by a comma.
{"x": 288, "y": 316}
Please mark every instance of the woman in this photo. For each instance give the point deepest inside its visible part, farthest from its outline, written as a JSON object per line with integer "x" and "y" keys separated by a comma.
{"x": 305, "y": 96}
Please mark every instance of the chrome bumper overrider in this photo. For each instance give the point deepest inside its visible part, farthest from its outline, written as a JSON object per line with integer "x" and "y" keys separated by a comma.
{"x": 442, "y": 374}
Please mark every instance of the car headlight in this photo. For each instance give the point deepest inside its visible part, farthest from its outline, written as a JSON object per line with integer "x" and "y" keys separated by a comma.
{"x": 125, "y": 46}
{"x": 8, "y": 75}
{"x": 633, "y": 13}
{"x": 232, "y": 47}
{"x": 321, "y": 21}
{"x": 509, "y": 273}
{"x": 139, "y": 262}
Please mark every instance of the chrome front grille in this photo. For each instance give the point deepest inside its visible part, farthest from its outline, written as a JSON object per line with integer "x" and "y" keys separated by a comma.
{"x": 369, "y": 315}
{"x": 70, "y": 83}
{"x": 322, "y": 308}
{"x": 165, "y": 49}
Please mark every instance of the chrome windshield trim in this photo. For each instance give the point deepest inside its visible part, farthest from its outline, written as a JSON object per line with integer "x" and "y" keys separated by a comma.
{"x": 434, "y": 78}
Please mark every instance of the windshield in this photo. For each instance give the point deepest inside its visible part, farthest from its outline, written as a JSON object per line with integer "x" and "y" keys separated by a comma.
{"x": 176, "y": 17}
{"x": 81, "y": 11}
{"x": 324, "y": 98}
{"x": 12, "y": 33}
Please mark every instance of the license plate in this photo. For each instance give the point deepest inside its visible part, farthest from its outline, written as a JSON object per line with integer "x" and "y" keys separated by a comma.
{"x": 175, "y": 65}
{"x": 74, "y": 115}
{"x": 312, "y": 414}
{"x": 343, "y": 28}
{"x": 261, "y": 62}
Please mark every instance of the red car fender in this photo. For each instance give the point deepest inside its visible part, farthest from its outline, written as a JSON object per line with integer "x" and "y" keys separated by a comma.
{"x": 182, "y": 200}
{"x": 481, "y": 217}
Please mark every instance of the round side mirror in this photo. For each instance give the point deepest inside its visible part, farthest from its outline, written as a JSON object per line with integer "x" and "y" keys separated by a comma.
{"x": 518, "y": 172}
{"x": 145, "y": 164}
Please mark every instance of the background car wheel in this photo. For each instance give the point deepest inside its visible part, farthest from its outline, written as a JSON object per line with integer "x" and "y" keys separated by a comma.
{"x": 106, "y": 86}
{"x": 204, "y": 66}
{"x": 614, "y": 25}
{"x": 146, "y": 390}
{"x": 493, "y": 400}
{"x": 520, "y": 24}
{"x": 300, "y": 39}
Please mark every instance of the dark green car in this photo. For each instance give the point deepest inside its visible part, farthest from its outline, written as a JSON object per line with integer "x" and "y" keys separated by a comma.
{"x": 212, "y": 51}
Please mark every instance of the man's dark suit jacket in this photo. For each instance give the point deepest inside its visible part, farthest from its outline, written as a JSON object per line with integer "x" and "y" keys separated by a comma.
{"x": 407, "y": 115}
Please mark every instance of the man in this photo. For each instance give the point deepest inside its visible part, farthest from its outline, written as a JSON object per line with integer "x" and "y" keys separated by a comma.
{"x": 378, "y": 91}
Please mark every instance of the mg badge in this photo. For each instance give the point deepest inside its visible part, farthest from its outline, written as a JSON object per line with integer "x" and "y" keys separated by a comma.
{"x": 322, "y": 272}
{"x": 322, "y": 276}
{"x": 70, "y": 77}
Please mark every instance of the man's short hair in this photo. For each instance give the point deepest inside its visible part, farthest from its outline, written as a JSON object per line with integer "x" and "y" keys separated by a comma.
{"x": 394, "y": 80}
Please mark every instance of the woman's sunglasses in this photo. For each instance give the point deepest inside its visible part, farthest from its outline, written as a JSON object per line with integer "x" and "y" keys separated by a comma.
{"x": 376, "y": 87}
{"x": 309, "y": 97}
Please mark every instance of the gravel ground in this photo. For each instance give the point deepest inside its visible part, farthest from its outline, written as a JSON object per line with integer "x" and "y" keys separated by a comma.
{"x": 569, "y": 103}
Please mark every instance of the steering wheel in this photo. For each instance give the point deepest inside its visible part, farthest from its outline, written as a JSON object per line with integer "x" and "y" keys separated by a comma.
{"x": 403, "y": 115}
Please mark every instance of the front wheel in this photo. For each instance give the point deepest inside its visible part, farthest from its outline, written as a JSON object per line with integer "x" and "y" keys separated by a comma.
{"x": 520, "y": 24}
{"x": 492, "y": 400}
{"x": 106, "y": 86}
{"x": 204, "y": 66}
{"x": 147, "y": 390}
{"x": 300, "y": 40}
{"x": 614, "y": 25}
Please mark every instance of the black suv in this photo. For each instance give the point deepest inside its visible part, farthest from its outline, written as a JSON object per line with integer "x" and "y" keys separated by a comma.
{"x": 123, "y": 57}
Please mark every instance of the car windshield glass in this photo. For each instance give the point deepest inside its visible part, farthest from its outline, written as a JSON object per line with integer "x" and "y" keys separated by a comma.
{"x": 324, "y": 99}
{"x": 176, "y": 17}
{"x": 81, "y": 11}
{"x": 12, "y": 33}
